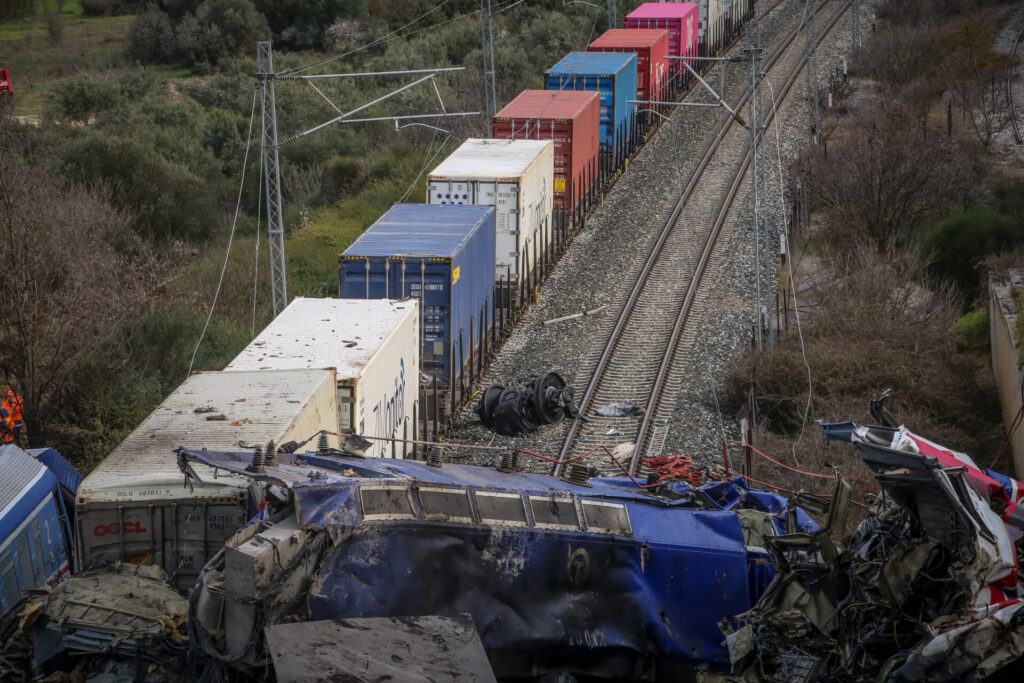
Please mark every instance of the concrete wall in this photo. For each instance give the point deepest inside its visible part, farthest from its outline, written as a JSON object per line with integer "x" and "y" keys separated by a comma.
{"x": 1003, "y": 315}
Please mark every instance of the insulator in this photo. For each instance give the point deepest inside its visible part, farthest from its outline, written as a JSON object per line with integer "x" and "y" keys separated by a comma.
{"x": 321, "y": 444}
{"x": 271, "y": 452}
{"x": 257, "y": 460}
{"x": 436, "y": 455}
{"x": 508, "y": 461}
{"x": 578, "y": 474}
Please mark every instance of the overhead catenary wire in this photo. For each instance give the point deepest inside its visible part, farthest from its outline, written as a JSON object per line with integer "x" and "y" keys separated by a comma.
{"x": 231, "y": 235}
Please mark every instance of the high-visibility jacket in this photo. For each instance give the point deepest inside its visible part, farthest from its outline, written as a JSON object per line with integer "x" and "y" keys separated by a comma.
{"x": 13, "y": 405}
{"x": 6, "y": 426}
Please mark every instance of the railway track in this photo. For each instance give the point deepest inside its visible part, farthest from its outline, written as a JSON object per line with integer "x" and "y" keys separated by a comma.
{"x": 1009, "y": 92}
{"x": 655, "y": 317}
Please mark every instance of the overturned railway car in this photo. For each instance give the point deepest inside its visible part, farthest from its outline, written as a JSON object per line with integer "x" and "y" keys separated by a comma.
{"x": 594, "y": 578}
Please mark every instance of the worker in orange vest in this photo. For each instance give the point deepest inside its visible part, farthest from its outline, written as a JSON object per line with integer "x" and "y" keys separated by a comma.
{"x": 15, "y": 419}
{"x": 6, "y": 425}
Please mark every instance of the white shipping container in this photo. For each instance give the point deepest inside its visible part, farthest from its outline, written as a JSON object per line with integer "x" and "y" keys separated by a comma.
{"x": 516, "y": 177}
{"x": 373, "y": 345}
{"x": 135, "y": 506}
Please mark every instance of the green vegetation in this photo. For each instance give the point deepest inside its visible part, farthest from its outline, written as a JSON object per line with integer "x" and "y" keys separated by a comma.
{"x": 972, "y": 330}
{"x": 149, "y": 103}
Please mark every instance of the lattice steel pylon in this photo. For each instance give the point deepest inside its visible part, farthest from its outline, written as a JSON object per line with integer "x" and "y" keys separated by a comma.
{"x": 487, "y": 47}
{"x": 810, "y": 7}
{"x": 272, "y": 176}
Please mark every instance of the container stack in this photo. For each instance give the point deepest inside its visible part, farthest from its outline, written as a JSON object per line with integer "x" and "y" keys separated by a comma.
{"x": 651, "y": 47}
{"x": 680, "y": 19}
{"x": 444, "y": 257}
{"x": 569, "y": 119}
{"x": 612, "y": 76}
{"x": 373, "y": 347}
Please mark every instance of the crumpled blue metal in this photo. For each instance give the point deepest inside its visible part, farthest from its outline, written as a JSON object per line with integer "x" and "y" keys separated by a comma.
{"x": 543, "y": 600}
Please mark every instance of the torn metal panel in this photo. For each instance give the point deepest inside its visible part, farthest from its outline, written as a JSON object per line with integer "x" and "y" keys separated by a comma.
{"x": 429, "y": 648}
{"x": 597, "y": 578}
{"x": 925, "y": 589}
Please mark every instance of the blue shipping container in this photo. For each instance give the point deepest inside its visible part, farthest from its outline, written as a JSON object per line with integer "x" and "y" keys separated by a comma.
{"x": 34, "y": 541}
{"x": 441, "y": 255}
{"x": 610, "y": 73}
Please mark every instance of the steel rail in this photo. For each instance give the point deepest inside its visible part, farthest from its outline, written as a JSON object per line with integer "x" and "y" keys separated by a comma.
{"x": 1009, "y": 91}
{"x": 656, "y": 252}
{"x": 695, "y": 280}
{"x": 709, "y": 150}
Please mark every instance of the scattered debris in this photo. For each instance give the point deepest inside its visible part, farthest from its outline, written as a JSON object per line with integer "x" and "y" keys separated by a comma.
{"x": 613, "y": 432}
{"x": 625, "y": 409}
{"x": 574, "y": 316}
{"x": 924, "y": 590}
{"x": 545, "y": 400}
{"x": 407, "y": 648}
{"x": 120, "y": 609}
{"x": 560, "y": 577}
{"x": 217, "y": 418}
{"x": 204, "y": 409}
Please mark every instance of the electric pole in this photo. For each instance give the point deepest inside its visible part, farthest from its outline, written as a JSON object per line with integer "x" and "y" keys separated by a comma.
{"x": 811, "y": 69}
{"x": 265, "y": 78}
{"x": 613, "y": 14}
{"x": 487, "y": 45}
{"x": 275, "y": 215}
{"x": 755, "y": 113}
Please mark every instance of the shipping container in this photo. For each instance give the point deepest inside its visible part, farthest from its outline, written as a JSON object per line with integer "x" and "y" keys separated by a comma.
{"x": 721, "y": 20}
{"x": 650, "y": 45}
{"x": 516, "y": 177}
{"x": 372, "y": 345}
{"x": 135, "y": 506}
{"x": 680, "y": 19}
{"x": 570, "y": 119}
{"x": 441, "y": 255}
{"x": 612, "y": 75}
{"x": 35, "y": 538}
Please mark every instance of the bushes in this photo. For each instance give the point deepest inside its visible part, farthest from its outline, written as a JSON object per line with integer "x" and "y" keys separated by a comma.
{"x": 151, "y": 38}
{"x": 219, "y": 29}
{"x": 958, "y": 244}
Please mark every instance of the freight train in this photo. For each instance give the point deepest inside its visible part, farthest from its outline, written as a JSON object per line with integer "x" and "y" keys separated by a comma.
{"x": 597, "y": 108}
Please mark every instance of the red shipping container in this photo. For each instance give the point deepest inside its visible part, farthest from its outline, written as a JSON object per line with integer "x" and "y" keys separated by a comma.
{"x": 681, "y": 19}
{"x": 651, "y": 49}
{"x": 571, "y": 118}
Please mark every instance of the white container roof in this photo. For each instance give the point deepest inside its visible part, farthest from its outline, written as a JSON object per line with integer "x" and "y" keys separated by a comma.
{"x": 256, "y": 407}
{"x": 487, "y": 159}
{"x": 343, "y": 334}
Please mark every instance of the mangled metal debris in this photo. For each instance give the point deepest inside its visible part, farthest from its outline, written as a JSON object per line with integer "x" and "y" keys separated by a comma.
{"x": 924, "y": 590}
{"x": 598, "y": 578}
{"x": 121, "y": 609}
{"x": 545, "y": 400}
{"x": 436, "y": 649}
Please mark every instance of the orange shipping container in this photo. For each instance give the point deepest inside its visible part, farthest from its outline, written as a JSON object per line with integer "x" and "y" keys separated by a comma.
{"x": 571, "y": 118}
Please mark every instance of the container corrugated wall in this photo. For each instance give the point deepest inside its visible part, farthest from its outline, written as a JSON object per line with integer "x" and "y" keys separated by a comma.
{"x": 682, "y": 20}
{"x": 612, "y": 75}
{"x": 569, "y": 119}
{"x": 441, "y": 255}
{"x": 651, "y": 49}
{"x": 373, "y": 346}
{"x": 516, "y": 177}
{"x": 134, "y": 506}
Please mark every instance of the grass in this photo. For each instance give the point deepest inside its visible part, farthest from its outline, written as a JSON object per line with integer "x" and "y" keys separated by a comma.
{"x": 89, "y": 47}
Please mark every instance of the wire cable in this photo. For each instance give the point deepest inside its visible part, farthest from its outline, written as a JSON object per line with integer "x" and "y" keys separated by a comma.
{"x": 231, "y": 236}
{"x": 789, "y": 266}
{"x": 256, "y": 254}
{"x": 372, "y": 43}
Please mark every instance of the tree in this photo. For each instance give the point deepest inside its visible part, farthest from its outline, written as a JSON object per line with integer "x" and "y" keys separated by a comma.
{"x": 64, "y": 287}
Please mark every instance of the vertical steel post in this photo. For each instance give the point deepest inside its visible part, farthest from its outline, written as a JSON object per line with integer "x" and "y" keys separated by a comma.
{"x": 272, "y": 177}
{"x": 811, "y": 68}
{"x": 613, "y": 14}
{"x": 487, "y": 47}
{"x": 752, "y": 129}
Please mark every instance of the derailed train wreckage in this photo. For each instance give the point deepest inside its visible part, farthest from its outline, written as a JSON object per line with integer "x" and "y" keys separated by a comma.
{"x": 595, "y": 578}
{"x": 926, "y": 589}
